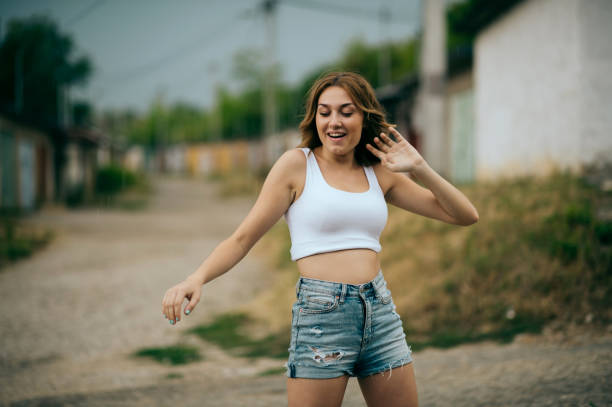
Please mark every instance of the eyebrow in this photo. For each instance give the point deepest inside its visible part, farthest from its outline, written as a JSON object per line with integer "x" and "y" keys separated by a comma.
{"x": 341, "y": 106}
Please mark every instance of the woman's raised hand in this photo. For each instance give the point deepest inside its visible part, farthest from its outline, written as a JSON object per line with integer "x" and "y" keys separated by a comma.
{"x": 397, "y": 156}
{"x": 174, "y": 297}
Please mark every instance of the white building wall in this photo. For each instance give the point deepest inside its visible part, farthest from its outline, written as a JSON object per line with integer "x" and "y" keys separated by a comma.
{"x": 595, "y": 39}
{"x": 528, "y": 90}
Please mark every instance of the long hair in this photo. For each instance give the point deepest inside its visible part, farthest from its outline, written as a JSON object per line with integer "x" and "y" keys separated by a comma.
{"x": 362, "y": 95}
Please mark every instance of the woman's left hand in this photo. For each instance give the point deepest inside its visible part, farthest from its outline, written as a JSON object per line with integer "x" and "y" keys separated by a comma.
{"x": 397, "y": 156}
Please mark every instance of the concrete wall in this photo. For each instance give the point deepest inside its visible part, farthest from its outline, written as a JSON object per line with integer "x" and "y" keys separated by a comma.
{"x": 536, "y": 73}
{"x": 595, "y": 53}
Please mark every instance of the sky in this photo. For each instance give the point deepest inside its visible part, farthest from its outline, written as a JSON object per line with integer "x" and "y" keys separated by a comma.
{"x": 182, "y": 50}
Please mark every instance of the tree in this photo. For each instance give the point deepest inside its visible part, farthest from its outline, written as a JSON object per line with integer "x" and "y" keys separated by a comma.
{"x": 37, "y": 67}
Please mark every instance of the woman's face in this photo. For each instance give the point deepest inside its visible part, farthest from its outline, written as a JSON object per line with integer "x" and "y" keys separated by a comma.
{"x": 339, "y": 122}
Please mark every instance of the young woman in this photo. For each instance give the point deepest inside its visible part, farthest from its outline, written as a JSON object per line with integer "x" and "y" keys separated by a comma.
{"x": 333, "y": 192}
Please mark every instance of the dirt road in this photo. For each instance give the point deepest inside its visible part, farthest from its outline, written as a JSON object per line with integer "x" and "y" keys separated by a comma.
{"x": 72, "y": 315}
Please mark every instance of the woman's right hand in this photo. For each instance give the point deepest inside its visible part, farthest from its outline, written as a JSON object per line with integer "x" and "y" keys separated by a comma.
{"x": 174, "y": 297}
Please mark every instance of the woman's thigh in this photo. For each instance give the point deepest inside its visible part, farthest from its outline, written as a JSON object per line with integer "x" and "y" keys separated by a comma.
{"x": 392, "y": 388}
{"x": 316, "y": 392}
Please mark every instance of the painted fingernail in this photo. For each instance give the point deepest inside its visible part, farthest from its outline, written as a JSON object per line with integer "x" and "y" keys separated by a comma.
{"x": 171, "y": 322}
{"x": 165, "y": 316}
{"x": 187, "y": 312}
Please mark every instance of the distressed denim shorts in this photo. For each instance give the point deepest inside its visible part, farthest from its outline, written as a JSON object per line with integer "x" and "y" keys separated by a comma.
{"x": 342, "y": 329}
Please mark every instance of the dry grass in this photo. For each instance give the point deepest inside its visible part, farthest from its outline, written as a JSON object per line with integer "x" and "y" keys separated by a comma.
{"x": 538, "y": 254}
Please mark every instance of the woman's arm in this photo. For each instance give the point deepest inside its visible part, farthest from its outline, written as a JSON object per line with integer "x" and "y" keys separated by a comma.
{"x": 439, "y": 199}
{"x": 273, "y": 201}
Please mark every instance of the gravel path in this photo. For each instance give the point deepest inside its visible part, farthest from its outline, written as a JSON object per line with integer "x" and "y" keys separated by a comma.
{"x": 74, "y": 313}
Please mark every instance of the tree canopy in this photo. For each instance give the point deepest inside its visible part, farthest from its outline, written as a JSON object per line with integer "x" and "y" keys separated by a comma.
{"x": 37, "y": 63}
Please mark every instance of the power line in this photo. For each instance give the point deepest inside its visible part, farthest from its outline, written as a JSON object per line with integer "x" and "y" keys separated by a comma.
{"x": 83, "y": 13}
{"x": 199, "y": 43}
{"x": 197, "y": 74}
{"x": 356, "y": 12}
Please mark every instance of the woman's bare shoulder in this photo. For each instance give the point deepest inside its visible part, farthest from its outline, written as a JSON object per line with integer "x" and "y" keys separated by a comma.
{"x": 291, "y": 166}
{"x": 292, "y": 160}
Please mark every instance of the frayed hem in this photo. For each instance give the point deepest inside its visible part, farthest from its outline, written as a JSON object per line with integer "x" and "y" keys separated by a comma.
{"x": 389, "y": 368}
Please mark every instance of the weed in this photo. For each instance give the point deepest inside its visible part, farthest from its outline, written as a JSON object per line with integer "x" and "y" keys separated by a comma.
{"x": 17, "y": 241}
{"x": 275, "y": 371}
{"x": 174, "y": 355}
{"x": 227, "y": 332}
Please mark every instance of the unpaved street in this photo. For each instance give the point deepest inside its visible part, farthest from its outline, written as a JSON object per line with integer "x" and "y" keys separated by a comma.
{"x": 73, "y": 313}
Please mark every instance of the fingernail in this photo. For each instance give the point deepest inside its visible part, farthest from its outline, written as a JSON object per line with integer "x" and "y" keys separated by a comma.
{"x": 165, "y": 316}
{"x": 171, "y": 322}
{"x": 187, "y": 311}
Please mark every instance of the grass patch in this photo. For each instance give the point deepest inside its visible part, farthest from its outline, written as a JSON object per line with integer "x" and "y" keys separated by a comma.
{"x": 447, "y": 338}
{"x": 228, "y": 332}
{"x": 174, "y": 376}
{"x": 173, "y": 355}
{"x": 18, "y": 241}
{"x": 538, "y": 254}
{"x": 275, "y": 371}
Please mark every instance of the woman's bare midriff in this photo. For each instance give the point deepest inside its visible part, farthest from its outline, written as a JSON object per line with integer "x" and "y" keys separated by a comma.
{"x": 355, "y": 266}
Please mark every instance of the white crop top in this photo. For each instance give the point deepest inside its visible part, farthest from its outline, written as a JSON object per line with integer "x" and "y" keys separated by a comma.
{"x": 326, "y": 219}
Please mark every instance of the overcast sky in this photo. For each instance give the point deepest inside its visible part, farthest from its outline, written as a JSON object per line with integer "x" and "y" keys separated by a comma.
{"x": 181, "y": 48}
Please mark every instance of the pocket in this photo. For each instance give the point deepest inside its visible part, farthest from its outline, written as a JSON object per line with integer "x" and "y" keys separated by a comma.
{"x": 384, "y": 294}
{"x": 317, "y": 303}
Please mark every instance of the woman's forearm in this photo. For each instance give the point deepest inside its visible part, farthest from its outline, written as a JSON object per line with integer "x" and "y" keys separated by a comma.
{"x": 453, "y": 201}
{"x": 225, "y": 256}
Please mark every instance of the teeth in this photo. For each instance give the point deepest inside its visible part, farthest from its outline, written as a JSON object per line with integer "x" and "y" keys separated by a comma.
{"x": 336, "y": 134}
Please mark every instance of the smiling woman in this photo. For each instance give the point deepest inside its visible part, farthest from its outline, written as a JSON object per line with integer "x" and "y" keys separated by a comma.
{"x": 349, "y": 96}
{"x": 333, "y": 192}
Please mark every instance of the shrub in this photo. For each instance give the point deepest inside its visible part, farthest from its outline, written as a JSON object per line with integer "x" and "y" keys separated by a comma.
{"x": 112, "y": 179}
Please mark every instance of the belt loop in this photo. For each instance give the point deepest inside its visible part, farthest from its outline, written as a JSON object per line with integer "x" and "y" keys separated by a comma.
{"x": 297, "y": 287}
{"x": 343, "y": 292}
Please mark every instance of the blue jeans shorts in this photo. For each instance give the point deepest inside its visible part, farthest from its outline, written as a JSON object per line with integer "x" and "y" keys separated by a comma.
{"x": 342, "y": 329}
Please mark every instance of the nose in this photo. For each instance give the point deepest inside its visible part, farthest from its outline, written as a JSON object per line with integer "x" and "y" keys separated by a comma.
{"x": 334, "y": 120}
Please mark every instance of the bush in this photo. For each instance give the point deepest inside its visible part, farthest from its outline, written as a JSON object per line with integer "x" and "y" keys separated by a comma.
{"x": 113, "y": 179}
{"x": 17, "y": 242}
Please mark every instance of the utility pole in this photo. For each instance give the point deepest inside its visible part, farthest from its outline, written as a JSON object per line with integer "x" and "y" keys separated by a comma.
{"x": 269, "y": 89}
{"x": 384, "y": 53}
{"x": 430, "y": 113}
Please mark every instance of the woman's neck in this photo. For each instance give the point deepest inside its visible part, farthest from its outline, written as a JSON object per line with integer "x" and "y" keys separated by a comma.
{"x": 344, "y": 161}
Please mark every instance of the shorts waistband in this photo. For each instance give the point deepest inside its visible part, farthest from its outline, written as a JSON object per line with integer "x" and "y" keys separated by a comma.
{"x": 340, "y": 289}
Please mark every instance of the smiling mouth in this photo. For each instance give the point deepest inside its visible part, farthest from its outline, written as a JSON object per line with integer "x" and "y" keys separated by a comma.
{"x": 336, "y": 135}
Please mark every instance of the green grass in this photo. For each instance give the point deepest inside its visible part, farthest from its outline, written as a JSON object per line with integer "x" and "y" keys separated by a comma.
{"x": 538, "y": 249}
{"x": 18, "y": 242}
{"x": 449, "y": 337}
{"x": 227, "y": 331}
{"x": 275, "y": 371}
{"x": 173, "y": 355}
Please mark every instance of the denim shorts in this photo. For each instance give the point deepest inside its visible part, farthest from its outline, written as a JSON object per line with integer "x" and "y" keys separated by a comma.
{"x": 342, "y": 329}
